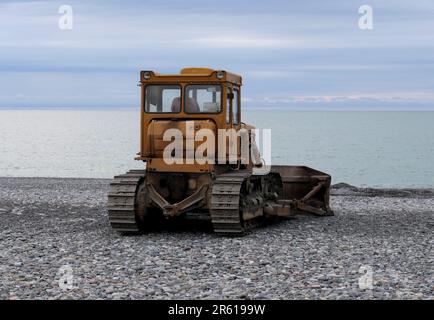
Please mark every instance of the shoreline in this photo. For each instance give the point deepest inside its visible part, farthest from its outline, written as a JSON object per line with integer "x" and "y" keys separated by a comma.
{"x": 337, "y": 189}
{"x": 345, "y": 189}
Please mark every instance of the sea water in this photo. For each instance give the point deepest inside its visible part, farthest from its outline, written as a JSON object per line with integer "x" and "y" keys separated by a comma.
{"x": 379, "y": 149}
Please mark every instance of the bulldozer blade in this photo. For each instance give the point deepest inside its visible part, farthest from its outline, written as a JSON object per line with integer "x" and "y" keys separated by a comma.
{"x": 307, "y": 188}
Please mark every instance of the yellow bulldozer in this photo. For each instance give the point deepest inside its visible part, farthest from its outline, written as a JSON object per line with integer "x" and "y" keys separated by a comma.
{"x": 202, "y": 161}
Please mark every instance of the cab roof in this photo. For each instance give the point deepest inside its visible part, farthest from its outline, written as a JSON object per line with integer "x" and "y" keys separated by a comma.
{"x": 191, "y": 75}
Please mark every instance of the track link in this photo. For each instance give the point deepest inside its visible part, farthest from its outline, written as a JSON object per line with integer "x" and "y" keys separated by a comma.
{"x": 225, "y": 203}
{"x": 121, "y": 201}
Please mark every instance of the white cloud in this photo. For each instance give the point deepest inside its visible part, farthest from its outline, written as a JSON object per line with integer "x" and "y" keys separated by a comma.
{"x": 310, "y": 51}
{"x": 415, "y": 96}
{"x": 269, "y": 74}
{"x": 244, "y": 41}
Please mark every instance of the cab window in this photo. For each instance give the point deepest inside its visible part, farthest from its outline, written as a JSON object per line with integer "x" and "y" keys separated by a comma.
{"x": 236, "y": 108}
{"x": 163, "y": 98}
{"x": 228, "y": 105}
{"x": 203, "y": 98}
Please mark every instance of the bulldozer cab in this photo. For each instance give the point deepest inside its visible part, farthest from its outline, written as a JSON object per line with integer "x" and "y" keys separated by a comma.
{"x": 195, "y": 91}
{"x": 209, "y": 98}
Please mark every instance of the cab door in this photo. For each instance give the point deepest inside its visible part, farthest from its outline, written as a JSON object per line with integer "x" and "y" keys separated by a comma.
{"x": 229, "y": 123}
{"x": 236, "y": 108}
{"x": 229, "y": 100}
{"x": 233, "y": 120}
{"x": 236, "y": 119}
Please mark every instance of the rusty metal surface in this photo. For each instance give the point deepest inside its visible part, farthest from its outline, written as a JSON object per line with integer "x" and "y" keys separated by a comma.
{"x": 238, "y": 199}
{"x": 172, "y": 210}
{"x": 309, "y": 189}
{"x": 121, "y": 203}
{"x": 225, "y": 203}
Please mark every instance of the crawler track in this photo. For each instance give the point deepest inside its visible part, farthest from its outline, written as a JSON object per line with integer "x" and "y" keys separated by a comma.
{"x": 236, "y": 204}
{"x": 122, "y": 201}
{"x": 225, "y": 210}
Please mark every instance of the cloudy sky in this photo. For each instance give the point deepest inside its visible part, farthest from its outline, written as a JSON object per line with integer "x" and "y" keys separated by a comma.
{"x": 292, "y": 54}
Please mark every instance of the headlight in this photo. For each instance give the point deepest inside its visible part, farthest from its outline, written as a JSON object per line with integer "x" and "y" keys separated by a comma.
{"x": 146, "y": 75}
{"x": 220, "y": 74}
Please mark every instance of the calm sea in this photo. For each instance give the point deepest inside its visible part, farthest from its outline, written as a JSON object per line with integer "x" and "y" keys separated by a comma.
{"x": 388, "y": 149}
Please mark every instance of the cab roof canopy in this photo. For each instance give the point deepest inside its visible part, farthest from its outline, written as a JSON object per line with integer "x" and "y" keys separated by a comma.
{"x": 191, "y": 75}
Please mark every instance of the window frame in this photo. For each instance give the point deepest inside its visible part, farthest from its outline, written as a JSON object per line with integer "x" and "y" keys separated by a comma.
{"x": 203, "y": 84}
{"x": 229, "y": 103}
{"x": 162, "y": 84}
{"x": 237, "y": 100}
